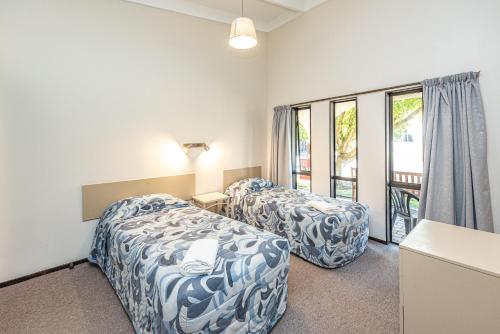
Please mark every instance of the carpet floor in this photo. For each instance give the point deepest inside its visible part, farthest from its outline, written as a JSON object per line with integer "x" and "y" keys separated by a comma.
{"x": 362, "y": 297}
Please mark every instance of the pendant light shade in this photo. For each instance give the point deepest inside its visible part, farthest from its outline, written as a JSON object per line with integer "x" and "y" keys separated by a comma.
{"x": 243, "y": 34}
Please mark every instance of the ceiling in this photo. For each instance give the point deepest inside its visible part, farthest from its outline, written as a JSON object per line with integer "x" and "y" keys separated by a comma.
{"x": 267, "y": 14}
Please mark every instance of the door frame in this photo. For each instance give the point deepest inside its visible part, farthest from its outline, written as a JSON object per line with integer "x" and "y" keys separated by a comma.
{"x": 389, "y": 156}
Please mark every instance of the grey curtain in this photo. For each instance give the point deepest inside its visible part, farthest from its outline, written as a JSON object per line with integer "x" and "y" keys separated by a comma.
{"x": 281, "y": 162}
{"x": 455, "y": 182}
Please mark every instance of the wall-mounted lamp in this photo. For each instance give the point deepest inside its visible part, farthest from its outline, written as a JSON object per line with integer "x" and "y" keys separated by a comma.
{"x": 188, "y": 146}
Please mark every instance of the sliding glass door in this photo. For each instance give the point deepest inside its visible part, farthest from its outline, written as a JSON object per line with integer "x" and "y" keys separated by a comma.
{"x": 405, "y": 161}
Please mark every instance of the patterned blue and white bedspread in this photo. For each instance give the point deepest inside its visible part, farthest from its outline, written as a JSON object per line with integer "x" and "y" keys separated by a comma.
{"x": 329, "y": 241}
{"x": 140, "y": 243}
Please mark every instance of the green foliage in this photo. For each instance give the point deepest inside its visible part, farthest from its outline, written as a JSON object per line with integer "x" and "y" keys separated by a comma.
{"x": 345, "y": 128}
{"x": 303, "y": 135}
{"x": 345, "y": 138}
{"x": 402, "y": 112}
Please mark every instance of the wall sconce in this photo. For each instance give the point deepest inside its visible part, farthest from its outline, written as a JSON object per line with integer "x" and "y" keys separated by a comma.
{"x": 188, "y": 146}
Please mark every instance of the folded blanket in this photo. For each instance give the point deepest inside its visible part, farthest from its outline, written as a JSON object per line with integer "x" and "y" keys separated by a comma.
{"x": 324, "y": 207}
{"x": 200, "y": 258}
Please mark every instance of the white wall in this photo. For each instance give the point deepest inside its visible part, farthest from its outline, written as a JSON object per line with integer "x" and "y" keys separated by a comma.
{"x": 371, "y": 159}
{"x": 320, "y": 148}
{"x": 342, "y": 47}
{"x": 98, "y": 91}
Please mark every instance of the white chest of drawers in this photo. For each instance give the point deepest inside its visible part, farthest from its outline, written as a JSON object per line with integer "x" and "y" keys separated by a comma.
{"x": 449, "y": 280}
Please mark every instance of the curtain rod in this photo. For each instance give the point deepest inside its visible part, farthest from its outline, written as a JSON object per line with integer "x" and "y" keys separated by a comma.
{"x": 411, "y": 85}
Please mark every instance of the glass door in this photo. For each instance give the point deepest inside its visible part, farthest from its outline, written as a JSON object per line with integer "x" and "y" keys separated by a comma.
{"x": 405, "y": 161}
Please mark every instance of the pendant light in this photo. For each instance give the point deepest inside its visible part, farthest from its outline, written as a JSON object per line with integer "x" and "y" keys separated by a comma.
{"x": 243, "y": 34}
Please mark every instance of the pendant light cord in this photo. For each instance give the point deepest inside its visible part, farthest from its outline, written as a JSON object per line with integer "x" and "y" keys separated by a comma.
{"x": 242, "y": 8}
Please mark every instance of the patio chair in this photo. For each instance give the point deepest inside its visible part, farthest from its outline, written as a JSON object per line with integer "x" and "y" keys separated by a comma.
{"x": 400, "y": 200}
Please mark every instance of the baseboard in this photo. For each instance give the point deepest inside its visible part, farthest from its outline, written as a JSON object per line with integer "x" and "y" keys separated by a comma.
{"x": 74, "y": 263}
{"x": 69, "y": 265}
{"x": 378, "y": 240}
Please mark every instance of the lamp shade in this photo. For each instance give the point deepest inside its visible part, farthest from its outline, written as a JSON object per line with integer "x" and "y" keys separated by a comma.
{"x": 243, "y": 34}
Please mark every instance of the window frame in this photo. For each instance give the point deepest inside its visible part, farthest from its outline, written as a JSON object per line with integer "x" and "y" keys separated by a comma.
{"x": 295, "y": 142}
{"x": 333, "y": 176}
{"x": 390, "y": 157}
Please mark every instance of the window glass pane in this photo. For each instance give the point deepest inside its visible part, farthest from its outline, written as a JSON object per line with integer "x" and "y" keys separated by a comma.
{"x": 302, "y": 149}
{"x": 345, "y": 190}
{"x": 345, "y": 139}
{"x": 407, "y": 154}
{"x": 304, "y": 182}
{"x": 303, "y": 161}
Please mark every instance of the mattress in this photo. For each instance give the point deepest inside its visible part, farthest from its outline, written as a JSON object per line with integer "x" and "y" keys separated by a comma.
{"x": 140, "y": 242}
{"x": 327, "y": 240}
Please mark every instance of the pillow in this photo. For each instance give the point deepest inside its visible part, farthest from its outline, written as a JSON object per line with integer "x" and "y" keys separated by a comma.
{"x": 140, "y": 205}
{"x": 247, "y": 186}
{"x": 258, "y": 183}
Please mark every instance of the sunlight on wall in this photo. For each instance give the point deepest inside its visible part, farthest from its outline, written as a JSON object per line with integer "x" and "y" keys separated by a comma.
{"x": 176, "y": 160}
{"x": 209, "y": 158}
{"x": 209, "y": 169}
{"x": 207, "y": 165}
{"x": 174, "y": 156}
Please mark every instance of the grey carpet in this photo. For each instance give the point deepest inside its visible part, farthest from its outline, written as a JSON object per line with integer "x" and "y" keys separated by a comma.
{"x": 359, "y": 298}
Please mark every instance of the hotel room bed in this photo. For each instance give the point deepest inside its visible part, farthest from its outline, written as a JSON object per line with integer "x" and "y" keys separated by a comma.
{"x": 140, "y": 243}
{"x": 327, "y": 240}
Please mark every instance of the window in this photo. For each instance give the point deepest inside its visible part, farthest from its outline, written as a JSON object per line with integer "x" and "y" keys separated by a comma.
{"x": 344, "y": 150}
{"x": 405, "y": 161}
{"x": 301, "y": 148}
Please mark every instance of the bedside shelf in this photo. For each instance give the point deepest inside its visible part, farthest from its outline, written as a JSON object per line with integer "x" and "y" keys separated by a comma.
{"x": 213, "y": 200}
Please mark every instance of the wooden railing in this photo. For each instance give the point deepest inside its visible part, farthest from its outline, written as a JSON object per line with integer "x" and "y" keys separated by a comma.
{"x": 408, "y": 180}
{"x": 305, "y": 164}
{"x": 407, "y": 177}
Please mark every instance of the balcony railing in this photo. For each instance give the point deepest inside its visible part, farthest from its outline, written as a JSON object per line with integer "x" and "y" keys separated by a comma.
{"x": 408, "y": 177}
{"x": 408, "y": 180}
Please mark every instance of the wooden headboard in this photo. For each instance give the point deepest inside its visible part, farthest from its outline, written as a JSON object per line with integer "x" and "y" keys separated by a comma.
{"x": 232, "y": 175}
{"x": 96, "y": 197}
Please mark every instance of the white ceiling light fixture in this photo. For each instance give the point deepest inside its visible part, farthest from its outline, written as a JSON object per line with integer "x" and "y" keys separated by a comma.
{"x": 242, "y": 34}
